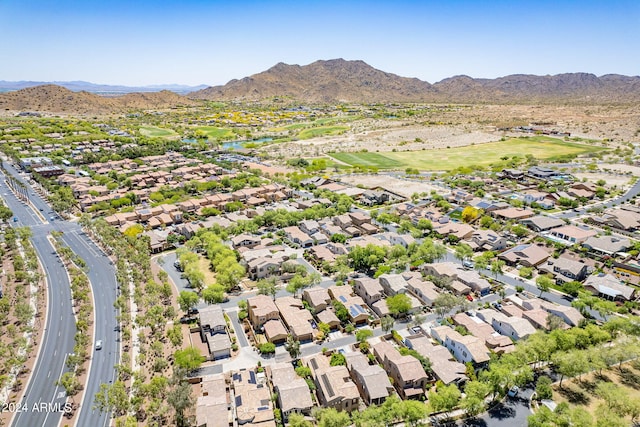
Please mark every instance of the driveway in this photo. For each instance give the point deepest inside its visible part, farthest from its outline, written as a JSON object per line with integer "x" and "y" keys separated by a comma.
{"x": 511, "y": 412}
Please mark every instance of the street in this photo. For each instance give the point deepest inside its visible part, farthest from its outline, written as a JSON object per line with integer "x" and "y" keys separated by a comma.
{"x": 58, "y": 341}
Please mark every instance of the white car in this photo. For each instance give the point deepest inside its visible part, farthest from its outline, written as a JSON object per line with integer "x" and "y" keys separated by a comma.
{"x": 99, "y": 345}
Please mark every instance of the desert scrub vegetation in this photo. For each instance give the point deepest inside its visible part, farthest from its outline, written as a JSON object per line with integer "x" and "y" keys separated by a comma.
{"x": 158, "y": 387}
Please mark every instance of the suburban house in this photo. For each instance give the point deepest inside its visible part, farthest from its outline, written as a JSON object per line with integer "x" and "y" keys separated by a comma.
{"x": 253, "y": 404}
{"x": 409, "y": 377}
{"x": 528, "y": 255}
{"x": 621, "y": 219}
{"x": 570, "y": 234}
{"x": 565, "y": 269}
{"x": 393, "y": 284}
{"x": 370, "y": 290}
{"x": 607, "y": 245}
{"x": 403, "y": 240}
{"x": 425, "y": 291}
{"x": 297, "y": 319}
{"x": 372, "y": 381}
{"x": 487, "y": 240}
{"x": 213, "y": 402}
{"x": 261, "y": 309}
{"x": 333, "y": 384}
{"x": 460, "y": 230}
{"x": 245, "y": 241}
{"x": 609, "y": 287}
{"x": 318, "y": 298}
{"x": 465, "y": 348}
{"x": 444, "y": 366}
{"x": 466, "y": 279}
{"x": 474, "y": 280}
{"x": 541, "y": 223}
{"x": 213, "y": 331}
{"x": 570, "y": 315}
{"x": 513, "y": 213}
{"x": 516, "y": 328}
{"x": 358, "y": 314}
{"x": 293, "y": 391}
{"x": 275, "y": 332}
{"x": 478, "y": 328}
{"x": 297, "y": 236}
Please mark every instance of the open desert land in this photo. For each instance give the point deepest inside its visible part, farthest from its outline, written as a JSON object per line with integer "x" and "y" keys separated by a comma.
{"x": 403, "y": 187}
{"x": 465, "y": 126}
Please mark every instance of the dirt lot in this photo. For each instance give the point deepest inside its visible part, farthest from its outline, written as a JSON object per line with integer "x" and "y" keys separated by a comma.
{"x": 396, "y": 185}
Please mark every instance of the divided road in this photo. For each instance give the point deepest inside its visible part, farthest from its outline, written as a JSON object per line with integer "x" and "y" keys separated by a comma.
{"x": 58, "y": 341}
{"x": 59, "y": 328}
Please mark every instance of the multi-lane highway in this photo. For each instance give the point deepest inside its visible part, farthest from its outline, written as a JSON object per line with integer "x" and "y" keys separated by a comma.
{"x": 58, "y": 339}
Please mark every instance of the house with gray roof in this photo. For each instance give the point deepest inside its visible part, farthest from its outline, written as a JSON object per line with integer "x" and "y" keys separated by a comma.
{"x": 607, "y": 245}
{"x": 609, "y": 287}
{"x": 565, "y": 269}
{"x": 540, "y": 223}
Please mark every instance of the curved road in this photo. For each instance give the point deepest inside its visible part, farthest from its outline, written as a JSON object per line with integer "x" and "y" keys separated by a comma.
{"x": 58, "y": 341}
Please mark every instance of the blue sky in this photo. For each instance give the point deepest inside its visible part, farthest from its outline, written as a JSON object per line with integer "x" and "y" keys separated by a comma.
{"x": 144, "y": 42}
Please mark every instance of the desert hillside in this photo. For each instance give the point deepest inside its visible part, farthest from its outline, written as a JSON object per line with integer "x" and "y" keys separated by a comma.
{"x": 338, "y": 80}
{"x": 56, "y": 99}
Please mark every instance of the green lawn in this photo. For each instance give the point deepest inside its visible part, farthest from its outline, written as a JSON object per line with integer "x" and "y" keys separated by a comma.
{"x": 322, "y": 131}
{"x": 213, "y": 132}
{"x": 542, "y": 148}
{"x": 156, "y": 132}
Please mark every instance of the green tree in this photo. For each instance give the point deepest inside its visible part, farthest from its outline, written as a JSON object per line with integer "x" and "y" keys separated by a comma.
{"x": 496, "y": 267}
{"x": 187, "y": 300}
{"x": 338, "y": 359}
{"x": 543, "y": 283}
{"x": 412, "y": 412}
{"x": 543, "y": 388}
{"x": 445, "y": 398}
{"x": 70, "y": 382}
{"x": 267, "y": 348}
{"x": 473, "y": 401}
{"x": 213, "y": 294}
{"x": 330, "y": 417}
{"x": 298, "y": 420}
{"x": 387, "y": 323}
{"x": 189, "y": 359}
{"x": 399, "y": 304}
{"x": 180, "y": 399}
{"x": 267, "y": 287}
{"x": 444, "y": 303}
{"x": 292, "y": 346}
{"x": 362, "y": 335}
{"x": 463, "y": 251}
{"x": 112, "y": 397}
{"x": 367, "y": 258}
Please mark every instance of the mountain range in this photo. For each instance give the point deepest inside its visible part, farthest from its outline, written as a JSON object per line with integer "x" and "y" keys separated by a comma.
{"x": 339, "y": 80}
{"x": 77, "y": 86}
{"x": 335, "y": 81}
